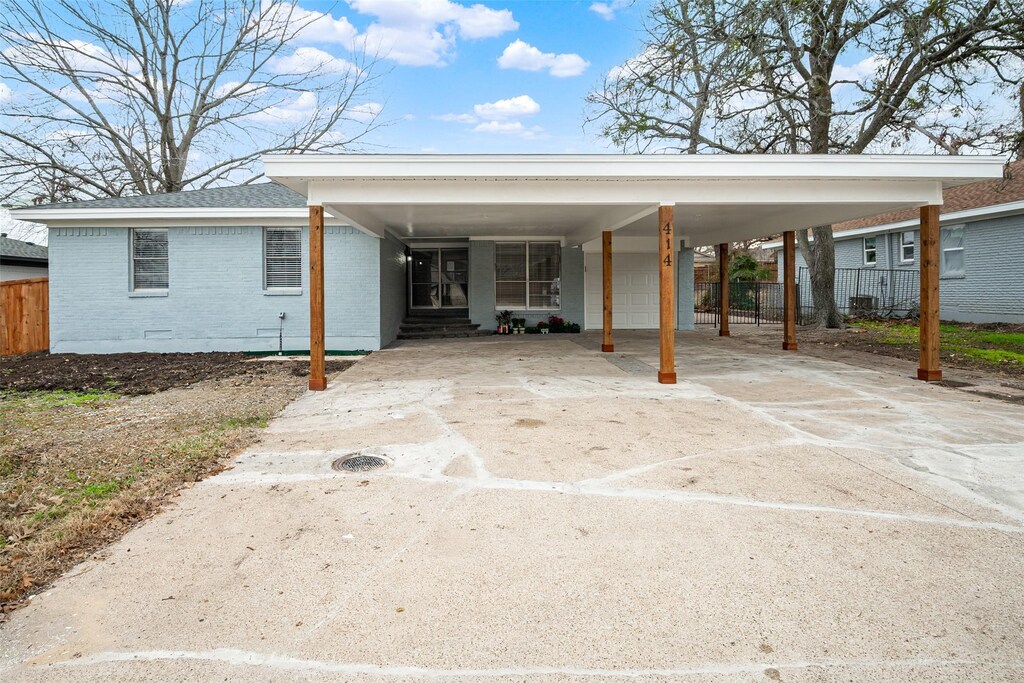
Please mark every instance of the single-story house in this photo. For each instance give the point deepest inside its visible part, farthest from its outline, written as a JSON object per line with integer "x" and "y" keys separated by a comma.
{"x": 981, "y": 252}
{"x": 21, "y": 260}
{"x": 339, "y": 249}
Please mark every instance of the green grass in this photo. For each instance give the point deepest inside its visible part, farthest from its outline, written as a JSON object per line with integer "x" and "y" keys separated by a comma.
{"x": 992, "y": 348}
{"x": 57, "y": 398}
{"x": 72, "y": 497}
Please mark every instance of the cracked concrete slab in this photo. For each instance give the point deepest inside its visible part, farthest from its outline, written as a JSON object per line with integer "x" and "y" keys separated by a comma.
{"x": 553, "y": 516}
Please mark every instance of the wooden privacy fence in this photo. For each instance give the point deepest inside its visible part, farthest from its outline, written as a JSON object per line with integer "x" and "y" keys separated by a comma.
{"x": 24, "y": 316}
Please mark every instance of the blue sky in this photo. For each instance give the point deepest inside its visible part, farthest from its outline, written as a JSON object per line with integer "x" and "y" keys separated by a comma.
{"x": 571, "y": 44}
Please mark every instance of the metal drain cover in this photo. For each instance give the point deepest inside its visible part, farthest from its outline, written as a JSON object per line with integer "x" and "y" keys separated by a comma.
{"x": 359, "y": 463}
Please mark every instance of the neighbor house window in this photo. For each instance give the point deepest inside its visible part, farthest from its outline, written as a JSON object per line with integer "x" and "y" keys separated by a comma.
{"x": 527, "y": 275}
{"x": 149, "y": 259}
{"x": 951, "y": 245}
{"x": 870, "y": 256}
{"x": 907, "y": 246}
{"x": 282, "y": 258}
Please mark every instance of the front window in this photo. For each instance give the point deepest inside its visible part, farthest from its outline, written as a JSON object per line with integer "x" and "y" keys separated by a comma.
{"x": 870, "y": 254}
{"x": 907, "y": 246}
{"x": 952, "y": 247}
{"x": 149, "y": 259}
{"x": 527, "y": 275}
{"x": 282, "y": 258}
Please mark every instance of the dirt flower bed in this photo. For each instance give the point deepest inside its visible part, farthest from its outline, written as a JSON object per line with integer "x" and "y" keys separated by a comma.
{"x": 91, "y": 445}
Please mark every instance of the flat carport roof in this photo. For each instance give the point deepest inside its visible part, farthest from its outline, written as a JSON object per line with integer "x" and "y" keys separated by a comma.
{"x": 721, "y": 198}
{"x": 577, "y": 198}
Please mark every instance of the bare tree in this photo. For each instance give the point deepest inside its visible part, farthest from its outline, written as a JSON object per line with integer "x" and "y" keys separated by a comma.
{"x": 135, "y": 97}
{"x": 766, "y": 76}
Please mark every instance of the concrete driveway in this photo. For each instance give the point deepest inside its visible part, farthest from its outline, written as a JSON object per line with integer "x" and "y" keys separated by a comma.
{"x": 552, "y": 513}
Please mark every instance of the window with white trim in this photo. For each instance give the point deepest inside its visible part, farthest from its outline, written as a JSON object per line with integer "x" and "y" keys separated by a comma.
{"x": 282, "y": 258}
{"x": 527, "y": 275}
{"x": 951, "y": 246}
{"x": 149, "y": 259}
{"x": 870, "y": 253}
{"x": 907, "y": 246}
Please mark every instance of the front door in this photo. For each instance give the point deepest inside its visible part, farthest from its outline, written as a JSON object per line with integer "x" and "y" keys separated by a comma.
{"x": 439, "y": 278}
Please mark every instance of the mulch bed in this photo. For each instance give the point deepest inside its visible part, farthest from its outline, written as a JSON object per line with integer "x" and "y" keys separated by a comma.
{"x": 132, "y": 374}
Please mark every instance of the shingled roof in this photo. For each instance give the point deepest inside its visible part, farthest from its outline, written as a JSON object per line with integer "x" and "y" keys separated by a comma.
{"x": 973, "y": 196}
{"x": 21, "y": 251}
{"x": 259, "y": 196}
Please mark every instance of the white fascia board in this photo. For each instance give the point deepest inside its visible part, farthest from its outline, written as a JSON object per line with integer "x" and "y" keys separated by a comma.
{"x": 967, "y": 215}
{"x": 177, "y": 217}
{"x": 178, "y": 213}
{"x": 639, "y": 193}
{"x": 292, "y": 169}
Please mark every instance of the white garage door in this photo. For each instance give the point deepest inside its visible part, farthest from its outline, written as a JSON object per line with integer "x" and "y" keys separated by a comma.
{"x": 634, "y": 291}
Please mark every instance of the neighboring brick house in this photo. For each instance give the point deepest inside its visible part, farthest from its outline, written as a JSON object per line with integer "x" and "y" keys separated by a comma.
{"x": 981, "y": 250}
{"x": 21, "y": 260}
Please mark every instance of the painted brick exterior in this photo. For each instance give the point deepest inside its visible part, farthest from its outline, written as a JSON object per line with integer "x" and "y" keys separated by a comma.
{"x": 215, "y": 299}
{"x": 393, "y": 288}
{"x": 992, "y": 288}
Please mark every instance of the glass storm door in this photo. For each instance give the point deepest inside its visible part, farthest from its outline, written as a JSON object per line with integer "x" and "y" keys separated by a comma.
{"x": 439, "y": 278}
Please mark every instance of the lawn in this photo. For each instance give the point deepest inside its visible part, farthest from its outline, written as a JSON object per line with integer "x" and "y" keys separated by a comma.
{"x": 80, "y": 465}
{"x": 977, "y": 345}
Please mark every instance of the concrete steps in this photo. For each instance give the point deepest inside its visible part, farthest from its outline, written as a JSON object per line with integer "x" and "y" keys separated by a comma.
{"x": 440, "y": 328}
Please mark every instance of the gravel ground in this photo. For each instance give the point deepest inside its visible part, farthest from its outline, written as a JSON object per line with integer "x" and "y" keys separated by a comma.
{"x": 79, "y": 467}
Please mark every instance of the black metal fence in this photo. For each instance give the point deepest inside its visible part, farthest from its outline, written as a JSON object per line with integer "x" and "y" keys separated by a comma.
{"x": 867, "y": 292}
{"x": 749, "y": 303}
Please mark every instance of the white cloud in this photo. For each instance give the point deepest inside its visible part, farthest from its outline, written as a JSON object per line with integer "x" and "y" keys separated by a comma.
{"x": 523, "y": 105}
{"x": 316, "y": 27}
{"x": 365, "y": 112}
{"x": 510, "y": 128}
{"x": 477, "y": 21}
{"x": 523, "y": 56}
{"x": 298, "y": 110}
{"x": 424, "y": 32}
{"x": 607, "y": 10}
{"x": 5, "y": 92}
{"x": 864, "y": 70}
{"x": 311, "y": 60}
{"x": 456, "y": 118}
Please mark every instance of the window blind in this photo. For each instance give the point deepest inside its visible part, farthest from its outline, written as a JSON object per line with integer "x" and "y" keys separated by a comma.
{"x": 282, "y": 250}
{"x": 149, "y": 259}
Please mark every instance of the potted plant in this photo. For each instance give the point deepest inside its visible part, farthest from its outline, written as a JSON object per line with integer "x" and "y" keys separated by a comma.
{"x": 556, "y": 324}
{"x": 543, "y": 327}
{"x": 519, "y": 324}
{"x": 504, "y": 319}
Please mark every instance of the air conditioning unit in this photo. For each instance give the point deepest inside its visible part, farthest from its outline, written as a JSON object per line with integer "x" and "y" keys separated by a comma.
{"x": 861, "y": 304}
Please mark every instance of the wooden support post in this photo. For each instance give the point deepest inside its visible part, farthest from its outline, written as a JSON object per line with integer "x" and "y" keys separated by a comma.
{"x": 723, "y": 290}
{"x": 928, "y": 368}
{"x": 789, "y": 290}
{"x": 317, "y": 375}
{"x": 606, "y": 291}
{"x": 666, "y": 260}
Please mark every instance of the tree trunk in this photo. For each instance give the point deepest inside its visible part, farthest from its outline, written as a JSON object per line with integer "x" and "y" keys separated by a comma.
{"x": 823, "y": 279}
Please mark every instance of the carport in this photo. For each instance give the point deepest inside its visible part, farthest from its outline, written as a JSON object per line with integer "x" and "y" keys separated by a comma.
{"x": 684, "y": 200}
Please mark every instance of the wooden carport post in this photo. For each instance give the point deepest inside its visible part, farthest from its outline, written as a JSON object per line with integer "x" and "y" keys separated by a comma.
{"x": 928, "y": 368}
{"x": 666, "y": 269}
{"x": 789, "y": 290}
{"x": 317, "y": 376}
{"x": 723, "y": 290}
{"x": 606, "y": 291}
